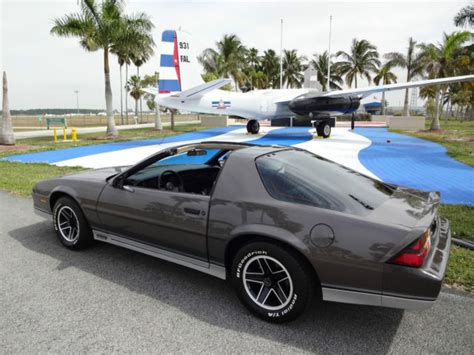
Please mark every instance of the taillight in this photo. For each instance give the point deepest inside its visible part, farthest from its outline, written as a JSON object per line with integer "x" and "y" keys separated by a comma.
{"x": 414, "y": 255}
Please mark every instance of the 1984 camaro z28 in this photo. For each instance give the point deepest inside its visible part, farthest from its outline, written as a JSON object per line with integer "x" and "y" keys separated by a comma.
{"x": 282, "y": 224}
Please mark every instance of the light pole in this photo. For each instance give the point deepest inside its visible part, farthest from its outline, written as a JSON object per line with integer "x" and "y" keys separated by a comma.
{"x": 77, "y": 100}
{"x": 281, "y": 54}
{"x": 329, "y": 54}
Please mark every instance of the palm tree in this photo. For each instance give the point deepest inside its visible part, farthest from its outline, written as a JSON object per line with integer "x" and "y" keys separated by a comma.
{"x": 465, "y": 15}
{"x": 320, "y": 64}
{"x": 293, "y": 68}
{"x": 252, "y": 62}
{"x": 151, "y": 80}
{"x": 6, "y": 133}
{"x": 412, "y": 62}
{"x": 271, "y": 68}
{"x": 441, "y": 61}
{"x": 362, "y": 60}
{"x": 96, "y": 27}
{"x": 228, "y": 60}
{"x": 134, "y": 86}
{"x": 134, "y": 36}
{"x": 385, "y": 76}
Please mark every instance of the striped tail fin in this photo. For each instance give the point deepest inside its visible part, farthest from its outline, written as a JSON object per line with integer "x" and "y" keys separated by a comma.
{"x": 179, "y": 68}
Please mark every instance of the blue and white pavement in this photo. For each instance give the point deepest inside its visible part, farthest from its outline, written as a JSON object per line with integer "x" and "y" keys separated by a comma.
{"x": 389, "y": 157}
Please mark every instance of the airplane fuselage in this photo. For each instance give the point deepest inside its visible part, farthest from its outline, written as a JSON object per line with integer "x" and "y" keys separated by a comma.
{"x": 255, "y": 104}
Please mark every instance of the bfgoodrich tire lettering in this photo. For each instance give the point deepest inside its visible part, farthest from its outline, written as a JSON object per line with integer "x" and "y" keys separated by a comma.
{"x": 70, "y": 224}
{"x": 272, "y": 282}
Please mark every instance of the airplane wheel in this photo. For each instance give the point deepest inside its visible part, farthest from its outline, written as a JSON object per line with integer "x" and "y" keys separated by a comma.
{"x": 253, "y": 126}
{"x": 323, "y": 129}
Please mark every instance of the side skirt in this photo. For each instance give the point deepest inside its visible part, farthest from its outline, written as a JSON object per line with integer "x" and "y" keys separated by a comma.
{"x": 374, "y": 299}
{"x": 207, "y": 268}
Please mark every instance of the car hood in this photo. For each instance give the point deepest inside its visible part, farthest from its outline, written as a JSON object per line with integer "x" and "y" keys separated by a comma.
{"x": 408, "y": 208}
{"x": 97, "y": 174}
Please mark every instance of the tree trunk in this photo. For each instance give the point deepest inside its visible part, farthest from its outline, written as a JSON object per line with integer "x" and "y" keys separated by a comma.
{"x": 141, "y": 112}
{"x": 435, "y": 123}
{"x": 111, "y": 129}
{"x": 121, "y": 97}
{"x": 136, "y": 109}
{"x": 126, "y": 92}
{"x": 172, "y": 112}
{"x": 6, "y": 127}
{"x": 406, "y": 108}
{"x": 383, "y": 103}
{"x": 355, "y": 77}
{"x": 158, "y": 123}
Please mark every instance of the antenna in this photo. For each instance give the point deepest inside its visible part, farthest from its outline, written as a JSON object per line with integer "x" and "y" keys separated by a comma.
{"x": 281, "y": 55}
{"x": 329, "y": 54}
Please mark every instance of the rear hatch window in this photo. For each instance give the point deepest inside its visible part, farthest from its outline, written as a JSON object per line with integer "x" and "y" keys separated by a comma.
{"x": 302, "y": 177}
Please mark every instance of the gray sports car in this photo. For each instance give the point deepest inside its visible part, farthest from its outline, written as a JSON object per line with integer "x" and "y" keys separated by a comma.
{"x": 284, "y": 225}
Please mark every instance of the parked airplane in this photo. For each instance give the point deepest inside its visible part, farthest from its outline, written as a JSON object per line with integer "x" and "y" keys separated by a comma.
{"x": 181, "y": 87}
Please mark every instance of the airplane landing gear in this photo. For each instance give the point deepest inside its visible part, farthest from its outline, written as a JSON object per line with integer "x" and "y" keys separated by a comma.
{"x": 253, "y": 126}
{"x": 323, "y": 129}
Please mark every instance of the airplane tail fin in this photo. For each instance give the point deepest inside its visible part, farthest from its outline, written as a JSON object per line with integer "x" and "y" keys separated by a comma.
{"x": 179, "y": 68}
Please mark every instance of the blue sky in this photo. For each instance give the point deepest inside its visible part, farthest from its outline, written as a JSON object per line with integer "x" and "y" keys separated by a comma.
{"x": 44, "y": 71}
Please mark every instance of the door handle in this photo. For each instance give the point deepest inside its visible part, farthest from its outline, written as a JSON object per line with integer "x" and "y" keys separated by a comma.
{"x": 192, "y": 211}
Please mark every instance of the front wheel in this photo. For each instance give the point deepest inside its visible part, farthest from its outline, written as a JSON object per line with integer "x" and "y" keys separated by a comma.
{"x": 253, "y": 126}
{"x": 70, "y": 224}
{"x": 323, "y": 129}
{"x": 273, "y": 283}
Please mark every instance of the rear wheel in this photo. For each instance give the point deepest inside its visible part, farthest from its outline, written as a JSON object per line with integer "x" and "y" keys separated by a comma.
{"x": 70, "y": 224}
{"x": 323, "y": 129}
{"x": 253, "y": 126}
{"x": 273, "y": 283}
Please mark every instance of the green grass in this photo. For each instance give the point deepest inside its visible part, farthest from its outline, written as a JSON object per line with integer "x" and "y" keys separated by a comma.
{"x": 460, "y": 272}
{"x": 19, "y": 178}
{"x": 40, "y": 144}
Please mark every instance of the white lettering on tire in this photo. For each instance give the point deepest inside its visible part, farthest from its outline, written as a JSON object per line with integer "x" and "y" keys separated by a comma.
{"x": 245, "y": 258}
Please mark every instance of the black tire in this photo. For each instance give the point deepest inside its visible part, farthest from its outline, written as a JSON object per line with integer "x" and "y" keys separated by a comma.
{"x": 253, "y": 127}
{"x": 296, "y": 292}
{"x": 79, "y": 235}
{"x": 324, "y": 129}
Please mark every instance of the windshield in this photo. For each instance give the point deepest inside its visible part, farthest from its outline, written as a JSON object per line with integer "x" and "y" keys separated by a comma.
{"x": 302, "y": 177}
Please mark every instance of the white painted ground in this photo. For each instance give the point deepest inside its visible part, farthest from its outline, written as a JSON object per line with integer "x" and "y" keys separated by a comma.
{"x": 342, "y": 147}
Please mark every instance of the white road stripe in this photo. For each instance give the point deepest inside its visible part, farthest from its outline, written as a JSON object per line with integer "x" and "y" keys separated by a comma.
{"x": 133, "y": 155}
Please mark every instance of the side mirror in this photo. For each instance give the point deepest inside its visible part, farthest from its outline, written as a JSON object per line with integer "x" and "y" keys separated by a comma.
{"x": 118, "y": 181}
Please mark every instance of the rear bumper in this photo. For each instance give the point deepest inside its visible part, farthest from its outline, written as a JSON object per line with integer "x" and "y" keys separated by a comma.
{"x": 421, "y": 283}
{"x": 405, "y": 287}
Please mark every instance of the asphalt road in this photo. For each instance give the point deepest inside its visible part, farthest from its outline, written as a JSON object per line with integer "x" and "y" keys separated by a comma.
{"x": 108, "y": 299}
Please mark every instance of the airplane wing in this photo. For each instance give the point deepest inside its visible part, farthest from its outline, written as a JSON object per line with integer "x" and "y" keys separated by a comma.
{"x": 200, "y": 90}
{"x": 290, "y": 96}
{"x": 363, "y": 92}
{"x": 194, "y": 92}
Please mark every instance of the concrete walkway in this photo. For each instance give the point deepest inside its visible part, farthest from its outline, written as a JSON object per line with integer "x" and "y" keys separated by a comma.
{"x": 82, "y": 130}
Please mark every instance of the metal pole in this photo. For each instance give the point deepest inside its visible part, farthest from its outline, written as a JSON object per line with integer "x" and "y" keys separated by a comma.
{"x": 77, "y": 100}
{"x": 329, "y": 55}
{"x": 281, "y": 55}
